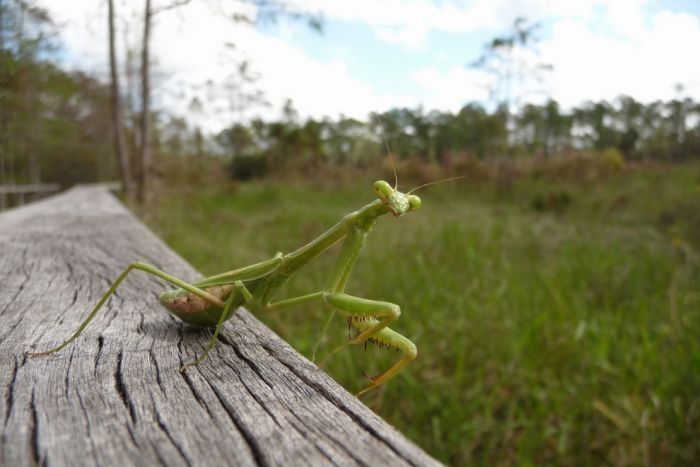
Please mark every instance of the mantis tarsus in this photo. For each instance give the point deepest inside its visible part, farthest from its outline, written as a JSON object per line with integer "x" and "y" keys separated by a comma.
{"x": 213, "y": 300}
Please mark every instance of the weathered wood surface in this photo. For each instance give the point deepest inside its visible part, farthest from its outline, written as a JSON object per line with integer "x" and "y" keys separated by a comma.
{"x": 116, "y": 397}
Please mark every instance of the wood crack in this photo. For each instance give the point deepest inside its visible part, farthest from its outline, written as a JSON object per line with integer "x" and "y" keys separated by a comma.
{"x": 34, "y": 434}
{"x": 16, "y": 294}
{"x": 155, "y": 365}
{"x": 100, "y": 346}
{"x": 10, "y": 398}
{"x": 196, "y": 395}
{"x": 66, "y": 379}
{"x": 251, "y": 441}
{"x": 86, "y": 415}
{"x": 255, "y": 396}
{"x": 335, "y": 442}
{"x": 250, "y": 363}
{"x": 121, "y": 389}
{"x": 164, "y": 428}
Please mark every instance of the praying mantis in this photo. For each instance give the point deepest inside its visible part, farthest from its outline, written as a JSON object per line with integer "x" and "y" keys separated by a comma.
{"x": 211, "y": 301}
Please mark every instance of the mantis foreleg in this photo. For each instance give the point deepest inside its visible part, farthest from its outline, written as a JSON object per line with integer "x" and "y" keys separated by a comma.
{"x": 374, "y": 315}
{"x": 370, "y": 318}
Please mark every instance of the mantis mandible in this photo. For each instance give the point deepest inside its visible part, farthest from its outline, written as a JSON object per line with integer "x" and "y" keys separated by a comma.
{"x": 213, "y": 300}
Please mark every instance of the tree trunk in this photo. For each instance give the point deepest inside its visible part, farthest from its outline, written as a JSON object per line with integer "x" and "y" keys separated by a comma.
{"x": 144, "y": 147}
{"x": 117, "y": 119}
{"x": 3, "y": 112}
{"x": 28, "y": 91}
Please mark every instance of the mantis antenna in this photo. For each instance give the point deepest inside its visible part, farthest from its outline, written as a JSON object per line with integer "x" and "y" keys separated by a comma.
{"x": 393, "y": 163}
{"x": 444, "y": 180}
{"x": 388, "y": 150}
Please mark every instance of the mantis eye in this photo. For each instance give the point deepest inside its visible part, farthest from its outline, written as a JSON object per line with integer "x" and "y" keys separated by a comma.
{"x": 414, "y": 202}
{"x": 383, "y": 189}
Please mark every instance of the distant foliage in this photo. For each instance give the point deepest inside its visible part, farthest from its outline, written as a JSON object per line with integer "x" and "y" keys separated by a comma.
{"x": 53, "y": 123}
{"x": 587, "y": 165}
{"x": 590, "y": 141}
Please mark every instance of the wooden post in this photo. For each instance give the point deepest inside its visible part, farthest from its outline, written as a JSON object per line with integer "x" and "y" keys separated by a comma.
{"x": 116, "y": 396}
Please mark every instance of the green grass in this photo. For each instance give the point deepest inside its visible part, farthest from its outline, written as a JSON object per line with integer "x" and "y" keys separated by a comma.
{"x": 566, "y": 335}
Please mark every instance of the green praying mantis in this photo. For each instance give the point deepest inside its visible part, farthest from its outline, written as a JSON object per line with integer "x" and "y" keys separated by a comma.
{"x": 213, "y": 300}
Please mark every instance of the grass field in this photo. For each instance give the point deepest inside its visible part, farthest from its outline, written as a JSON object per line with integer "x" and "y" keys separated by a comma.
{"x": 557, "y": 323}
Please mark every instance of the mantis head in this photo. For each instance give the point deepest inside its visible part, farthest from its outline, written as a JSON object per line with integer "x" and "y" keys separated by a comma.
{"x": 397, "y": 202}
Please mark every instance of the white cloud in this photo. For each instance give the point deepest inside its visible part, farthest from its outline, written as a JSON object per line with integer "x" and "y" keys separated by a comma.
{"x": 646, "y": 64}
{"x": 599, "y": 48}
{"x": 451, "y": 90}
{"x": 188, "y": 51}
{"x": 82, "y": 26}
{"x": 316, "y": 87}
{"x": 409, "y": 22}
{"x": 412, "y": 36}
{"x": 596, "y": 53}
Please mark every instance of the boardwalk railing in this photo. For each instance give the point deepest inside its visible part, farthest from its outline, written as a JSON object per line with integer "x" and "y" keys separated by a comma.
{"x": 116, "y": 397}
{"x": 23, "y": 193}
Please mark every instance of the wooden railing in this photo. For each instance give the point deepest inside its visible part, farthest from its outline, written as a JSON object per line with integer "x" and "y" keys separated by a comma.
{"x": 115, "y": 396}
{"x": 13, "y": 195}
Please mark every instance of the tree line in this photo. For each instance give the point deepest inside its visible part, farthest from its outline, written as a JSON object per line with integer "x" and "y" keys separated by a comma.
{"x": 659, "y": 130}
{"x": 69, "y": 127}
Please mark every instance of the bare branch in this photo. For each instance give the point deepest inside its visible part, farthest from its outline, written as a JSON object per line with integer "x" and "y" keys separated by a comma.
{"x": 172, "y": 6}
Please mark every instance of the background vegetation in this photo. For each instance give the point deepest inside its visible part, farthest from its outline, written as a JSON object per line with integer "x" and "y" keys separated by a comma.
{"x": 554, "y": 294}
{"x": 556, "y": 322}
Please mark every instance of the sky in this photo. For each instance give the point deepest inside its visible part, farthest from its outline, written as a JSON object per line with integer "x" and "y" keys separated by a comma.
{"x": 374, "y": 55}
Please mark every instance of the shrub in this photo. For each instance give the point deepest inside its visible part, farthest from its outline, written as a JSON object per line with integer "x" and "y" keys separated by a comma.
{"x": 551, "y": 201}
{"x": 590, "y": 165}
{"x": 248, "y": 167}
{"x": 611, "y": 160}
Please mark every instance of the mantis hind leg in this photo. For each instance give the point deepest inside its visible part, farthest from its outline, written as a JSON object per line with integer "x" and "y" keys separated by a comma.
{"x": 371, "y": 318}
{"x": 225, "y": 315}
{"x": 143, "y": 267}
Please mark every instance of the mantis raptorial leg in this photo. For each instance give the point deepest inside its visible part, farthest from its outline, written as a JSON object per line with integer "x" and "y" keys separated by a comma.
{"x": 213, "y": 300}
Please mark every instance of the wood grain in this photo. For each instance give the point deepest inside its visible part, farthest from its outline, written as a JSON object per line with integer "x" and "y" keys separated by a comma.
{"x": 116, "y": 397}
